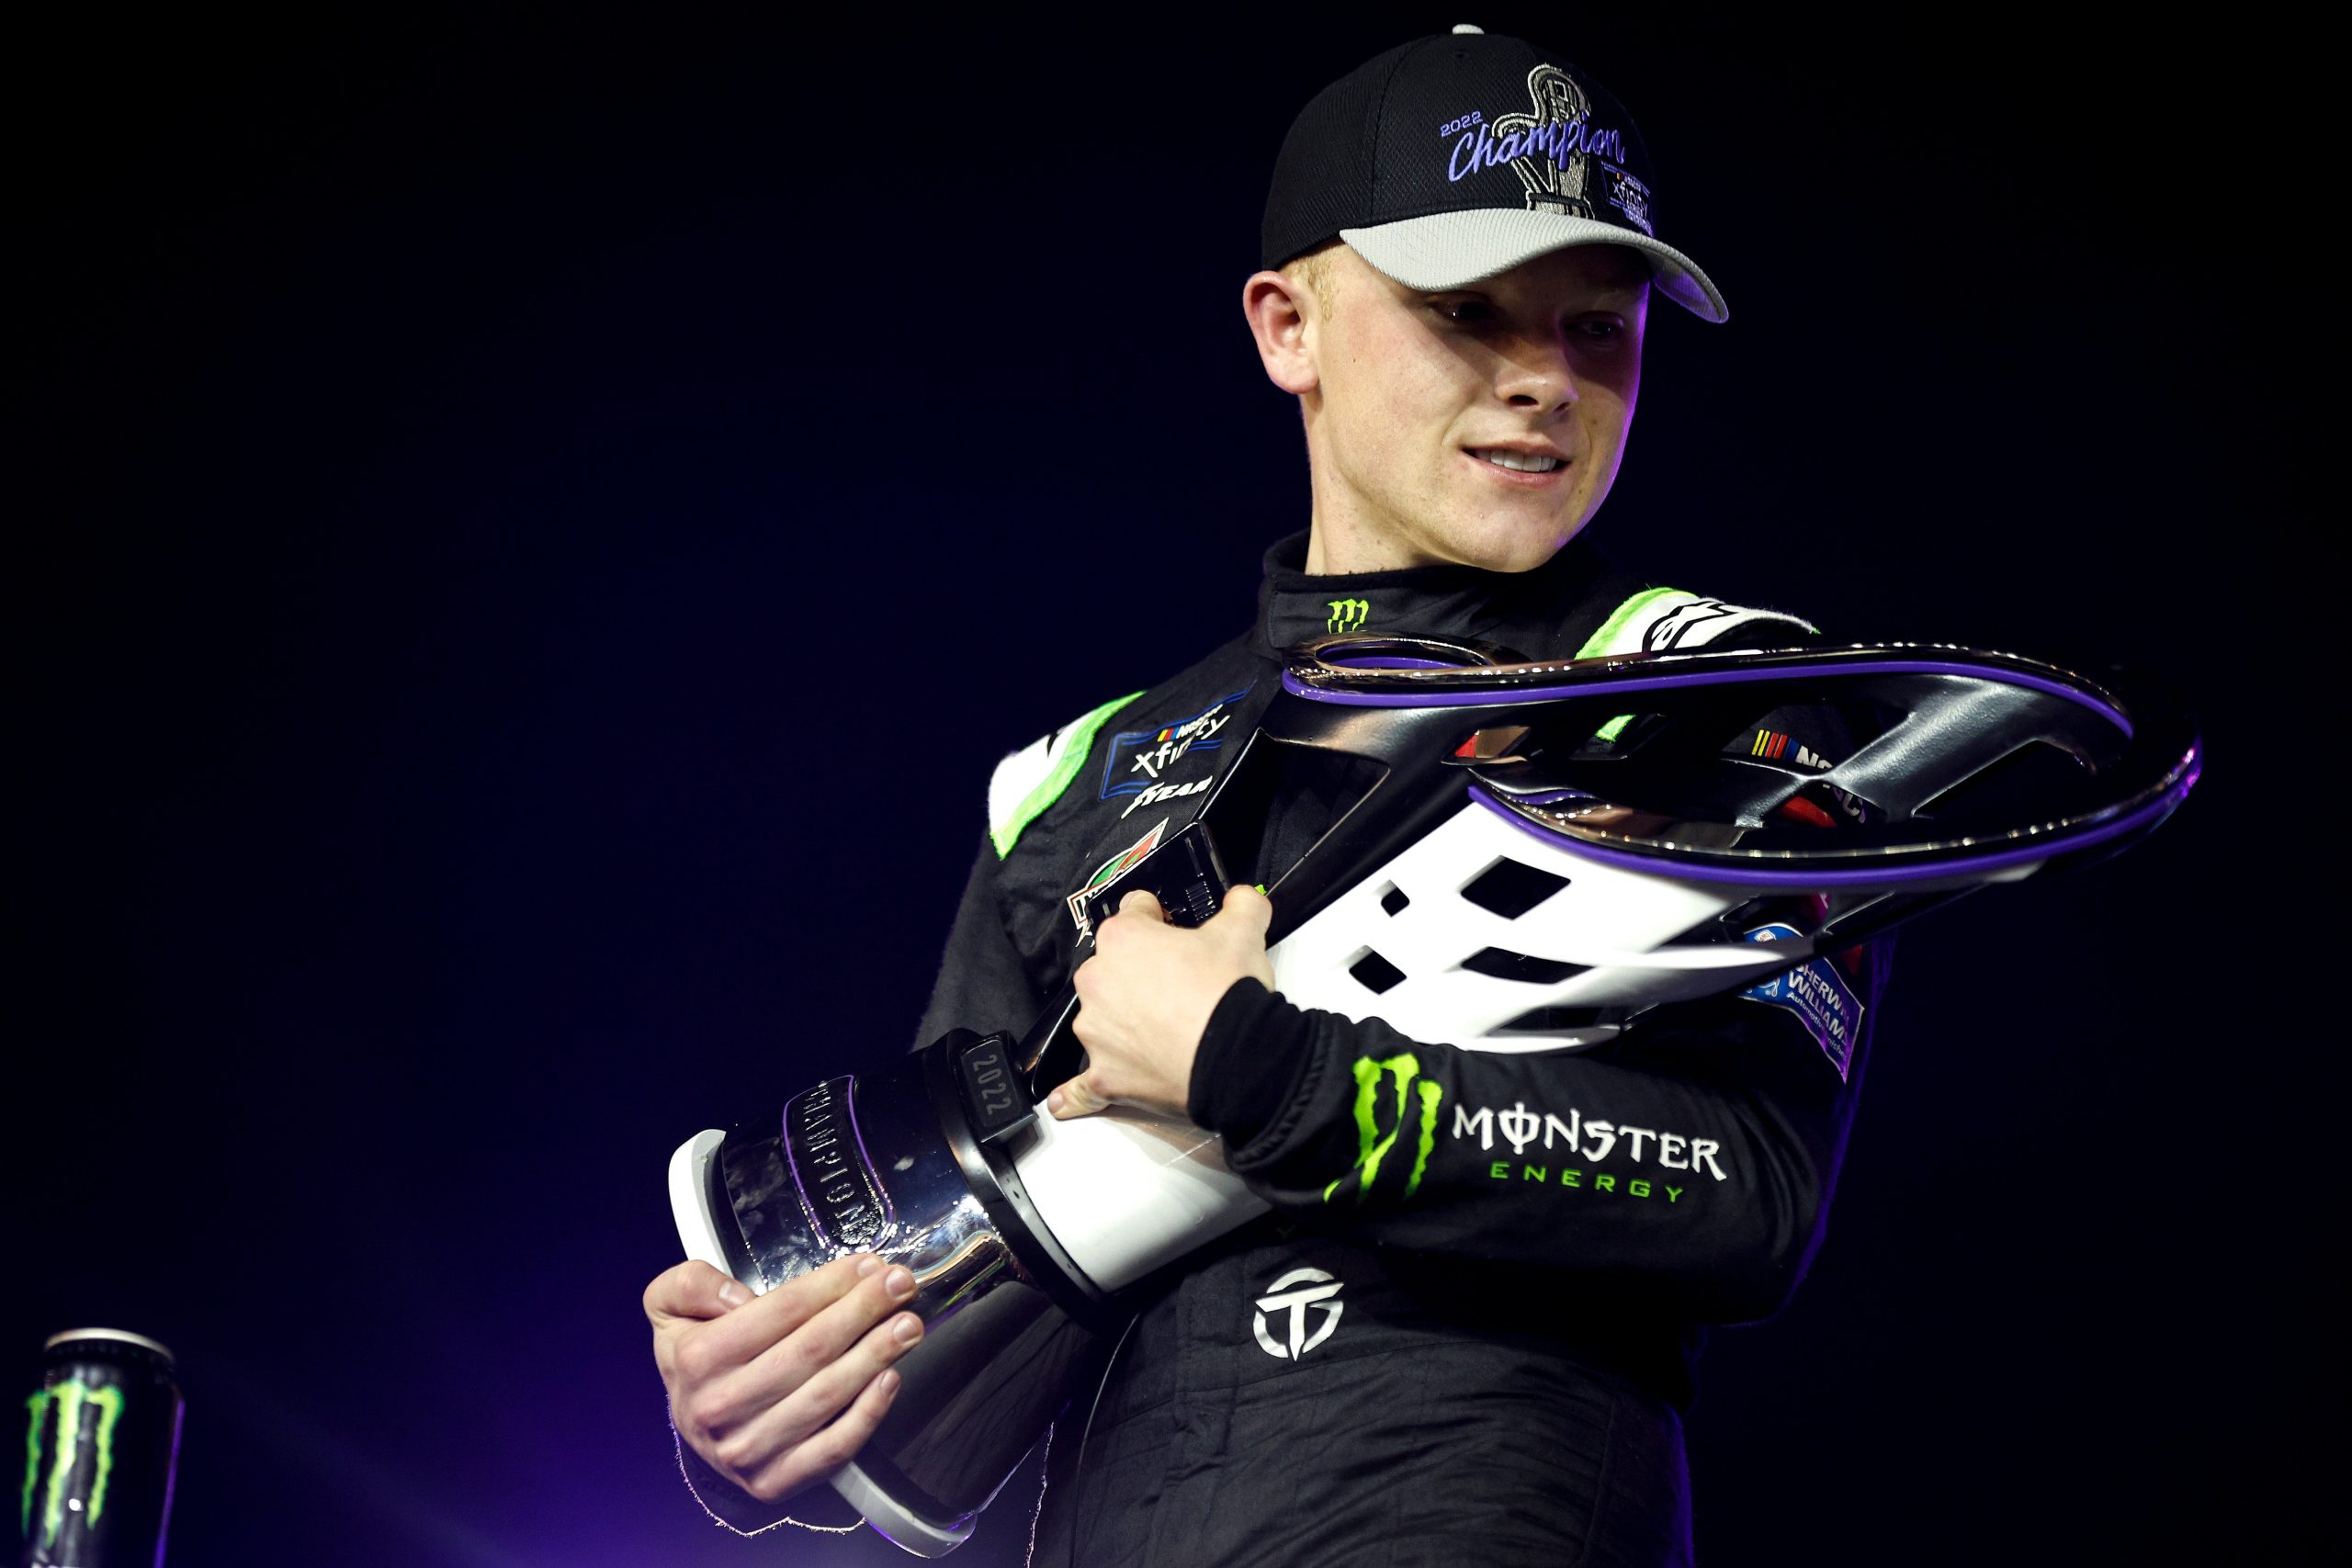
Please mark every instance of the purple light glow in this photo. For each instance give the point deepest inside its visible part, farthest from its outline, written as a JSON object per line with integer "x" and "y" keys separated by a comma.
{"x": 1959, "y": 866}
{"x": 1610, "y": 686}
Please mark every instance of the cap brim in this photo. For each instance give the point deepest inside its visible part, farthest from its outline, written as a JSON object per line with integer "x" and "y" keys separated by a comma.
{"x": 1453, "y": 250}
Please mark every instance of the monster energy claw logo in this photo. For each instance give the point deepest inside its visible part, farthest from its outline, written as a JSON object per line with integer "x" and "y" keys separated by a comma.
{"x": 70, "y": 1398}
{"x": 1349, "y": 614}
{"x": 1374, "y": 1146}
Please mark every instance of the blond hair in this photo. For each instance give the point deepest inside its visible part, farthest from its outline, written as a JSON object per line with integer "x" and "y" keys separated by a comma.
{"x": 1313, "y": 270}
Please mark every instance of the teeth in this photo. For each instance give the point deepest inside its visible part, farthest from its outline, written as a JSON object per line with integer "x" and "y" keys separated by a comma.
{"x": 1515, "y": 462}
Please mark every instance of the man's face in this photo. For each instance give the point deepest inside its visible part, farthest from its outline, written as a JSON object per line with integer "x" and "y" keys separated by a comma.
{"x": 1481, "y": 425}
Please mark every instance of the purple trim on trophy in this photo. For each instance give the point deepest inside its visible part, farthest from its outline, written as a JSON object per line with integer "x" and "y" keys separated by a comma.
{"x": 865, "y": 1163}
{"x": 1667, "y": 864}
{"x": 792, "y": 1165}
{"x": 1610, "y": 686}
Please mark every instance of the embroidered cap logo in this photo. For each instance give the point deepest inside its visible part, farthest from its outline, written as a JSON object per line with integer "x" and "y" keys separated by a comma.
{"x": 1547, "y": 148}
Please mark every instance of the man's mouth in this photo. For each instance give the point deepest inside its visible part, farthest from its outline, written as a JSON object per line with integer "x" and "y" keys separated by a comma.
{"x": 1516, "y": 462}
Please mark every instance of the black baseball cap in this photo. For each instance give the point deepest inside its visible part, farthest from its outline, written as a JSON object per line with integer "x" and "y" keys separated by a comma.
{"x": 1457, "y": 157}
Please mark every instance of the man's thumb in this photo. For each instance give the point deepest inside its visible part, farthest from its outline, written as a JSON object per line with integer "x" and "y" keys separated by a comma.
{"x": 693, "y": 1290}
{"x": 1076, "y": 1098}
{"x": 1247, "y": 907}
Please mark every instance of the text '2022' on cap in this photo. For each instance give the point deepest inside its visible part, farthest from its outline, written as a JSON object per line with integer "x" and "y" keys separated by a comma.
{"x": 1457, "y": 157}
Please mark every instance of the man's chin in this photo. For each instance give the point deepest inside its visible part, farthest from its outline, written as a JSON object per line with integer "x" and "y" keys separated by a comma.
{"x": 1511, "y": 550}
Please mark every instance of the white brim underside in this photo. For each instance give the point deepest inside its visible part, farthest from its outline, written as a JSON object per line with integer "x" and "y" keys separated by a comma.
{"x": 1453, "y": 250}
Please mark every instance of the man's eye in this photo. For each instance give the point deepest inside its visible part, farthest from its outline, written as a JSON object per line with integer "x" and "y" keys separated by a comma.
{"x": 1466, "y": 310}
{"x": 1599, "y": 328}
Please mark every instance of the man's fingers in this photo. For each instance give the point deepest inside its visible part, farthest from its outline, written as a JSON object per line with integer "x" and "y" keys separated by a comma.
{"x": 740, "y": 1337}
{"x": 823, "y": 1396}
{"x": 780, "y": 1365}
{"x": 830, "y": 1450}
{"x": 1076, "y": 1098}
{"x": 691, "y": 1289}
{"x": 1144, "y": 905}
{"x": 802, "y": 1415}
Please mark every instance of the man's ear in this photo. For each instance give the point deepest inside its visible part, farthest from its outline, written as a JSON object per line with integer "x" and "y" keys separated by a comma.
{"x": 1281, "y": 313}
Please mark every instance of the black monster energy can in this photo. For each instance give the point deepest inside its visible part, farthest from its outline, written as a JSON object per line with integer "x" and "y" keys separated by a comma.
{"x": 101, "y": 1441}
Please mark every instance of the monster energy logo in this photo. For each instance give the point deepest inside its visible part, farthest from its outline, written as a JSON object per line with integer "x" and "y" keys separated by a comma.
{"x": 1349, "y": 614}
{"x": 1373, "y": 1145}
{"x": 70, "y": 1397}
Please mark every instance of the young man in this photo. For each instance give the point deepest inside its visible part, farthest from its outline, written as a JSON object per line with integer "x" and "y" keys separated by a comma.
{"x": 1442, "y": 1355}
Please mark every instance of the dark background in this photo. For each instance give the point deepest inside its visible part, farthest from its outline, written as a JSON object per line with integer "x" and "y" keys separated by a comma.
{"x": 528, "y": 533}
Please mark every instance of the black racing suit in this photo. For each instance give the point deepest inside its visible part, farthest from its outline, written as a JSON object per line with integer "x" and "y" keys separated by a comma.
{"x": 1525, "y": 1248}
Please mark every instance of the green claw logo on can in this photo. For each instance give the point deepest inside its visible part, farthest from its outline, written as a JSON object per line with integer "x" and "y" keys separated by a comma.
{"x": 101, "y": 1444}
{"x": 71, "y": 1398}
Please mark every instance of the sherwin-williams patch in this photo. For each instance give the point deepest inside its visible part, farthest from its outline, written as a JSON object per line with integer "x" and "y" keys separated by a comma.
{"x": 1819, "y": 995}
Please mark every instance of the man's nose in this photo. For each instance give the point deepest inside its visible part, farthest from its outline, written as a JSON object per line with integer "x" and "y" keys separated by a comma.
{"x": 1537, "y": 375}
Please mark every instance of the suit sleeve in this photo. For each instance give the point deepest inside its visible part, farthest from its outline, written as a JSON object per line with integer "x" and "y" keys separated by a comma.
{"x": 1689, "y": 1163}
{"x": 982, "y": 985}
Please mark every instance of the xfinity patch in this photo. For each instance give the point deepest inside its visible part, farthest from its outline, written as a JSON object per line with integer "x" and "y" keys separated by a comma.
{"x": 1819, "y": 995}
{"x": 1137, "y": 759}
{"x": 1627, "y": 195}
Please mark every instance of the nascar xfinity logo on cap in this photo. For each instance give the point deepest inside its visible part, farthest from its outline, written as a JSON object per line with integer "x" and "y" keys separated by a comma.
{"x": 1349, "y": 614}
{"x": 1292, "y": 1294}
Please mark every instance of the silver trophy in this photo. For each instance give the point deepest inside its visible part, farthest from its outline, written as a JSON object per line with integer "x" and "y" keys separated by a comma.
{"x": 1666, "y": 871}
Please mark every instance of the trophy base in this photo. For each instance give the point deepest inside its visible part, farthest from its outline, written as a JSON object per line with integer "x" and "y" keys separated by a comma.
{"x": 893, "y": 1522}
